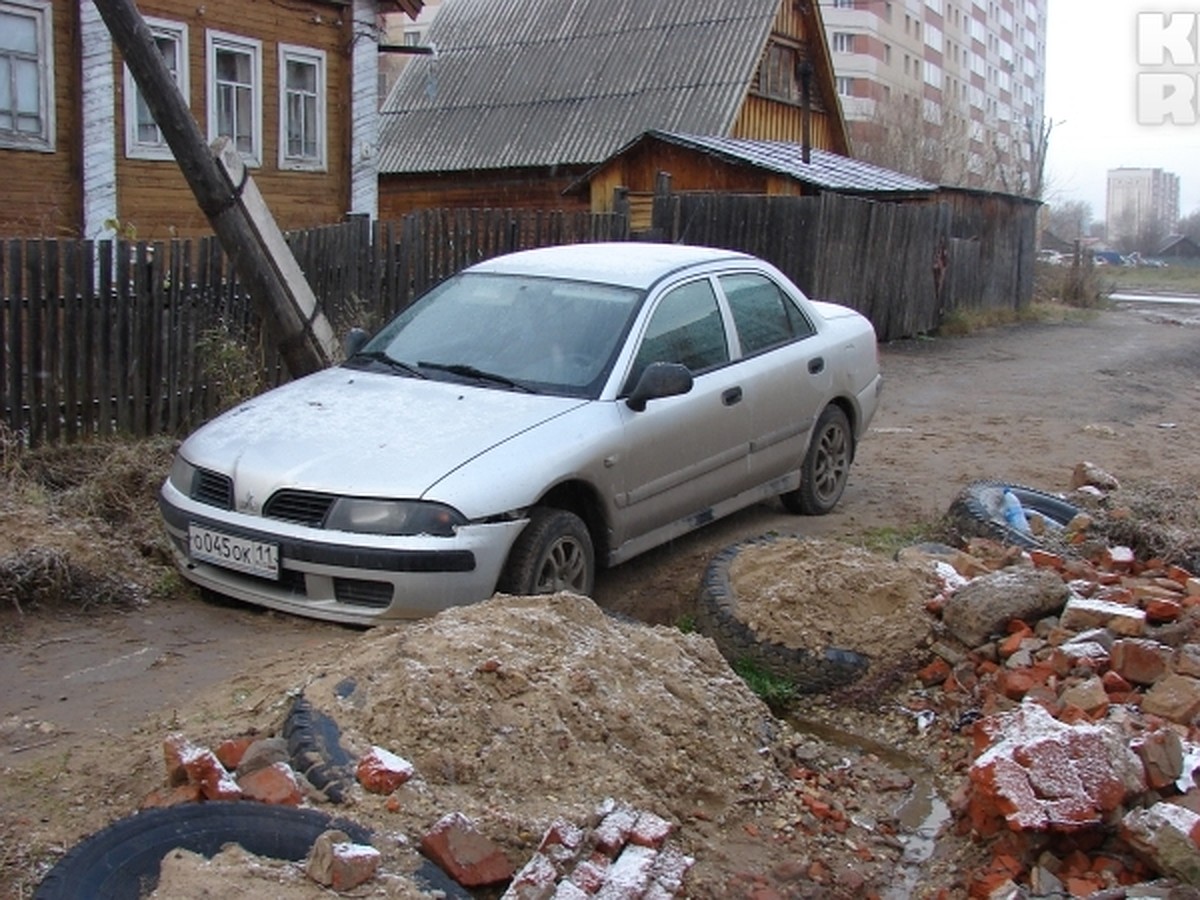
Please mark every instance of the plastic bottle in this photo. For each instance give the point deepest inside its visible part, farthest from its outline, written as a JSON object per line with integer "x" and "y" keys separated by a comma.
{"x": 1014, "y": 515}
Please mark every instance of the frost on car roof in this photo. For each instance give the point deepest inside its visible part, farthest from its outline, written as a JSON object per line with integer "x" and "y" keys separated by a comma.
{"x": 630, "y": 264}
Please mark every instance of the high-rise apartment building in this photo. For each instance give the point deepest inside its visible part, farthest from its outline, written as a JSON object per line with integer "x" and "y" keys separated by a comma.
{"x": 1142, "y": 207}
{"x": 951, "y": 90}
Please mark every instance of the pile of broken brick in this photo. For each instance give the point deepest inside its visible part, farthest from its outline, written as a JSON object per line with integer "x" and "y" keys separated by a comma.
{"x": 617, "y": 852}
{"x": 1077, "y": 678}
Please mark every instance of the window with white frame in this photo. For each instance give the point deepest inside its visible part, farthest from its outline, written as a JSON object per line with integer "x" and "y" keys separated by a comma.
{"x": 26, "y": 75}
{"x": 843, "y": 42}
{"x": 143, "y": 137}
{"x": 845, "y": 86}
{"x": 301, "y": 108}
{"x": 235, "y": 93}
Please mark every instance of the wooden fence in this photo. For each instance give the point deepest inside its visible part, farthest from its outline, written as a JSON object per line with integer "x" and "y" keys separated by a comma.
{"x": 905, "y": 266}
{"x": 100, "y": 338}
{"x": 115, "y": 337}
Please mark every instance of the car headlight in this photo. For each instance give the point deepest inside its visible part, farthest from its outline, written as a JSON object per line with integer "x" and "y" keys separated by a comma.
{"x": 183, "y": 475}
{"x": 393, "y": 517}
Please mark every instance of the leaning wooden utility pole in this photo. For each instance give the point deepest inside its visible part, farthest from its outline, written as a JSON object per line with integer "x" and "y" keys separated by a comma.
{"x": 227, "y": 196}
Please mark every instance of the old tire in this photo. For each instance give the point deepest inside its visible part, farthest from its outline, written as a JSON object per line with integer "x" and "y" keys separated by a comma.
{"x": 123, "y": 859}
{"x": 826, "y": 466}
{"x": 554, "y": 553}
{"x": 977, "y": 511}
{"x": 810, "y": 671}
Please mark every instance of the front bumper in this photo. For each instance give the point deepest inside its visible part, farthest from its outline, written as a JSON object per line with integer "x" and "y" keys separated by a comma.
{"x": 359, "y": 579}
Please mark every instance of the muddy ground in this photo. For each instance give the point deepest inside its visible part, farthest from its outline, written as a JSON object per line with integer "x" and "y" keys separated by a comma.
{"x": 89, "y": 695}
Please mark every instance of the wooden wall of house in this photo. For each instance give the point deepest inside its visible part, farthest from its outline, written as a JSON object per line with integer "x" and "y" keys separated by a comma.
{"x": 771, "y": 120}
{"x": 42, "y": 191}
{"x": 153, "y": 196}
{"x": 690, "y": 171}
{"x": 400, "y": 195}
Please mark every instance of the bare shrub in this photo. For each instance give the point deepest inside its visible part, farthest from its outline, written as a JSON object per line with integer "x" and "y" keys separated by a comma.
{"x": 46, "y": 578}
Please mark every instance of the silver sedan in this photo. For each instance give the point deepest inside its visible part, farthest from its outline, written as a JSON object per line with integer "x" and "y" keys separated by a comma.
{"x": 532, "y": 418}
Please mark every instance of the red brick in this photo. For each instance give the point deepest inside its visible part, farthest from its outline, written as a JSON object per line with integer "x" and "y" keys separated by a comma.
{"x": 1140, "y": 661}
{"x": 469, "y": 856}
{"x": 650, "y": 830}
{"x": 353, "y": 864}
{"x": 231, "y": 751}
{"x": 935, "y": 673}
{"x": 1114, "y": 683}
{"x": 1162, "y": 610}
{"x": 275, "y": 783}
{"x": 381, "y": 772}
{"x": 1175, "y": 697}
{"x": 1044, "y": 560}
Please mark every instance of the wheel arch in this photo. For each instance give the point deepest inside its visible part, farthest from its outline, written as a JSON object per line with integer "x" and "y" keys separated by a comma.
{"x": 581, "y": 498}
{"x": 853, "y": 416}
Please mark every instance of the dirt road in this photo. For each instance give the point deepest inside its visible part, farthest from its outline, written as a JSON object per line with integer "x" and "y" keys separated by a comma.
{"x": 1026, "y": 403}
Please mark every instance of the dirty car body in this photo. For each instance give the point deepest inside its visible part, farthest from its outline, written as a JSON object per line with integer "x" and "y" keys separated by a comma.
{"x": 535, "y": 417}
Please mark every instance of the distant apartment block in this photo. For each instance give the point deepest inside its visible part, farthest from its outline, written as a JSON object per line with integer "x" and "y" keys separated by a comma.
{"x": 951, "y": 90}
{"x": 400, "y": 31}
{"x": 1142, "y": 205}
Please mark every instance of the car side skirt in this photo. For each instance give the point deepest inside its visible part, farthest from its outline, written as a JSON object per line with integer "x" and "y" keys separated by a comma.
{"x": 672, "y": 530}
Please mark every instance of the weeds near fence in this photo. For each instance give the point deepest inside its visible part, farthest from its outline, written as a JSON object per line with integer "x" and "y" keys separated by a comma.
{"x": 233, "y": 370}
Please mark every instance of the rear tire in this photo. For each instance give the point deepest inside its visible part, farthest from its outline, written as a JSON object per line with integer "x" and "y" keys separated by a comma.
{"x": 554, "y": 553}
{"x": 826, "y": 466}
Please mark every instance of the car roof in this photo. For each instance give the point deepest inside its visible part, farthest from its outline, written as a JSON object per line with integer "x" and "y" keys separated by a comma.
{"x": 629, "y": 264}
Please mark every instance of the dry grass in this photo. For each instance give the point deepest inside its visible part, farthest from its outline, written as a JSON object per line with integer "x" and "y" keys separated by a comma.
{"x": 108, "y": 487}
{"x": 1157, "y": 520}
{"x": 44, "y": 579}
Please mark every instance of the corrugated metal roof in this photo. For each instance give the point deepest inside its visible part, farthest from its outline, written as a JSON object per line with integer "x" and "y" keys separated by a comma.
{"x": 520, "y": 83}
{"x": 824, "y": 169}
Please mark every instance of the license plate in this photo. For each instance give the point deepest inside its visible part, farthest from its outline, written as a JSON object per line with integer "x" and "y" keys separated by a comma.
{"x": 242, "y": 554}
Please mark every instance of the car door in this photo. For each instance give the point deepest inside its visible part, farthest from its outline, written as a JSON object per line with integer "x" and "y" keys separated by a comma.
{"x": 685, "y": 453}
{"x": 784, "y": 371}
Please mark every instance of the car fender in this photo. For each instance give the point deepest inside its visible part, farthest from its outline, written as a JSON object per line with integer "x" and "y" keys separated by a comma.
{"x": 583, "y": 444}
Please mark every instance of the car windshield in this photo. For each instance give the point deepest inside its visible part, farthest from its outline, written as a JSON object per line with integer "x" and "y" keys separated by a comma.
{"x": 514, "y": 332}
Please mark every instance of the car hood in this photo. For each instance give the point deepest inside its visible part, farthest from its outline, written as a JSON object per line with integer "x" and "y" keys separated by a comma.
{"x": 363, "y": 434}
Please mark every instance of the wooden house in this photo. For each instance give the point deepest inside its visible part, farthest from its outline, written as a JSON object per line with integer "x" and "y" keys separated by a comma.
{"x": 523, "y": 98}
{"x": 293, "y": 84}
{"x": 1179, "y": 248}
{"x": 736, "y": 166}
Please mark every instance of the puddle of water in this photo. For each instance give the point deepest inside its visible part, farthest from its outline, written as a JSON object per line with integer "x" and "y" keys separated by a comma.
{"x": 921, "y": 814}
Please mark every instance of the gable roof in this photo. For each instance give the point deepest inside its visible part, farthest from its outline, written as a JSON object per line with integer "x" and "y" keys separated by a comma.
{"x": 824, "y": 169}
{"x": 529, "y": 83}
{"x": 1178, "y": 245}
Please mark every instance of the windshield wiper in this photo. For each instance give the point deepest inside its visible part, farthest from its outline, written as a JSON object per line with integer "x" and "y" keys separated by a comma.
{"x": 468, "y": 371}
{"x": 380, "y": 357}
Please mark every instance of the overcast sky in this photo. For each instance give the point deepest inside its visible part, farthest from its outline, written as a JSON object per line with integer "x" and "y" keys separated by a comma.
{"x": 1091, "y": 95}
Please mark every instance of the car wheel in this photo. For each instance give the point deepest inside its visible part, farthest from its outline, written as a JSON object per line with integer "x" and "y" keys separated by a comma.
{"x": 826, "y": 466}
{"x": 553, "y": 553}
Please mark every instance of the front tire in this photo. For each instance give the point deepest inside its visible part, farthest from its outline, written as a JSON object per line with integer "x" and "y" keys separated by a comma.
{"x": 554, "y": 553}
{"x": 826, "y": 466}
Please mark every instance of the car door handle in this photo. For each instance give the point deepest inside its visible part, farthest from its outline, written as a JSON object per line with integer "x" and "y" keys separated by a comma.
{"x": 816, "y": 366}
{"x": 732, "y": 396}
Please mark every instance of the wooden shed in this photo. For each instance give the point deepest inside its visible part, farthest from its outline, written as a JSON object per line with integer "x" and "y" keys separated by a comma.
{"x": 523, "y": 98}
{"x": 733, "y": 166}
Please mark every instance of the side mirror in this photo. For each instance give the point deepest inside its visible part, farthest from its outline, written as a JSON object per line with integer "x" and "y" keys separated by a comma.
{"x": 660, "y": 379}
{"x": 354, "y": 341}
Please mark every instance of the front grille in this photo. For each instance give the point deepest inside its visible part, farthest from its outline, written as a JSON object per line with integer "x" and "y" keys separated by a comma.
{"x": 356, "y": 592}
{"x": 300, "y": 507}
{"x": 213, "y": 489}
